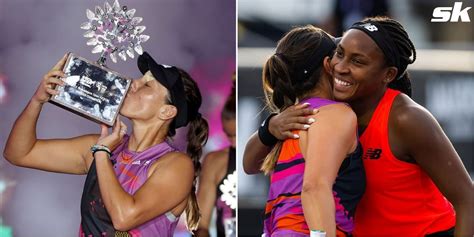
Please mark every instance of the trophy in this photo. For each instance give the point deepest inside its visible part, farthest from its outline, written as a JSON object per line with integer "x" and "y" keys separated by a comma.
{"x": 229, "y": 197}
{"x": 91, "y": 89}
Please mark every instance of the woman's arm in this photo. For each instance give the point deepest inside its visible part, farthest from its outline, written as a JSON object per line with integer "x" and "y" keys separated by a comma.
{"x": 421, "y": 138}
{"x": 60, "y": 155}
{"x": 280, "y": 126}
{"x": 206, "y": 194}
{"x": 254, "y": 154}
{"x": 168, "y": 185}
{"x": 324, "y": 146}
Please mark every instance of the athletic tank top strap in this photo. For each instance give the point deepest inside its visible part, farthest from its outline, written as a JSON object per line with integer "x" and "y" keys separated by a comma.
{"x": 381, "y": 114}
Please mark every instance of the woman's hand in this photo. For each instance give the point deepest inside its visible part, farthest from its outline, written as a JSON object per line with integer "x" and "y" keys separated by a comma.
{"x": 48, "y": 83}
{"x": 113, "y": 139}
{"x": 294, "y": 117}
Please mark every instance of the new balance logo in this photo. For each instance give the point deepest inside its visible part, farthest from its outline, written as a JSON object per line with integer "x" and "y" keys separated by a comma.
{"x": 370, "y": 27}
{"x": 373, "y": 153}
{"x": 452, "y": 14}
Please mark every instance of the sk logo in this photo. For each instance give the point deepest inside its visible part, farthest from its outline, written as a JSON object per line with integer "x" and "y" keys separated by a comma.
{"x": 373, "y": 154}
{"x": 451, "y": 14}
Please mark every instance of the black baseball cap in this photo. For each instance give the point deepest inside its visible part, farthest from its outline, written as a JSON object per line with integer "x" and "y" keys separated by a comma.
{"x": 169, "y": 77}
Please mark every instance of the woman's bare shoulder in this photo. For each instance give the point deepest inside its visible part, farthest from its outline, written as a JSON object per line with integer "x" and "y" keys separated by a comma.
{"x": 338, "y": 111}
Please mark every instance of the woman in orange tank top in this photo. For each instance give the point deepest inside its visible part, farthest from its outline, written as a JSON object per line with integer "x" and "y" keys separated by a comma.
{"x": 412, "y": 169}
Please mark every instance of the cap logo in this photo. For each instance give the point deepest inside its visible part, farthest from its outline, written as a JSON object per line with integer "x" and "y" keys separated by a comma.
{"x": 370, "y": 27}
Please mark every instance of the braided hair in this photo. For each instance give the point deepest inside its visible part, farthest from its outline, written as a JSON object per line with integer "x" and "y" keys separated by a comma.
{"x": 198, "y": 131}
{"x": 405, "y": 49}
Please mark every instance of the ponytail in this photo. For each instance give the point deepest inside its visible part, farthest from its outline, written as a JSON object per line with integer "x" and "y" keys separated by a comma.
{"x": 197, "y": 138}
{"x": 198, "y": 131}
{"x": 279, "y": 94}
{"x": 278, "y": 88}
{"x": 271, "y": 159}
{"x": 293, "y": 72}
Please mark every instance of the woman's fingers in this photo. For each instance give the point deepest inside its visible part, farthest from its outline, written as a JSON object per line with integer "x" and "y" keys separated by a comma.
{"x": 49, "y": 81}
{"x": 123, "y": 129}
{"x": 104, "y": 131}
{"x": 52, "y": 91}
{"x": 303, "y": 112}
{"x": 299, "y": 106}
{"x": 55, "y": 81}
{"x": 50, "y": 84}
{"x": 300, "y": 120}
{"x": 298, "y": 111}
{"x": 54, "y": 74}
{"x": 290, "y": 135}
{"x": 301, "y": 109}
{"x": 295, "y": 126}
{"x": 296, "y": 117}
{"x": 60, "y": 64}
{"x": 116, "y": 128}
{"x": 295, "y": 123}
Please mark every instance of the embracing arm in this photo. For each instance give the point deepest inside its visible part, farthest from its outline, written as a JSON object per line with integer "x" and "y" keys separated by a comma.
{"x": 59, "y": 155}
{"x": 422, "y": 139}
{"x": 324, "y": 147}
{"x": 254, "y": 154}
{"x": 280, "y": 126}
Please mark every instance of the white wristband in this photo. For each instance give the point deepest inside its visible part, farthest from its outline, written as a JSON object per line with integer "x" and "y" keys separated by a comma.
{"x": 317, "y": 233}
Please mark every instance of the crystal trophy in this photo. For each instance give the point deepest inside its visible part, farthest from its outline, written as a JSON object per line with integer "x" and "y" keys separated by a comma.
{"x": 91, "y": 89}
{"x": 229, "y": 197}
{"x": 229, "y": 227}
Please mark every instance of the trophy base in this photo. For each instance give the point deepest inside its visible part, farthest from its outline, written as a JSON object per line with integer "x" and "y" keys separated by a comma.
{"x": 91, "y": 90}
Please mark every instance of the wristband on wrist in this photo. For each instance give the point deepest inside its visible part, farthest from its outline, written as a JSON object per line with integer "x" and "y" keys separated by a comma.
{"x": 264, "y": 133}
{"x": 95, "y": 148}
{"x": 317, "y": 233}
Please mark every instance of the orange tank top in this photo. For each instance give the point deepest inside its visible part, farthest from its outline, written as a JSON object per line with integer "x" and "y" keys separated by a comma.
{"x": 400, "y": 198}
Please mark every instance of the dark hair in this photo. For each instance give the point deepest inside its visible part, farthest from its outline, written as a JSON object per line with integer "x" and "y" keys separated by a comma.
{"x": 405, "y": 49}
{"x": 283, "y": 81}
{"x": 198, "y": 131}
{"x": 228, "y": 112}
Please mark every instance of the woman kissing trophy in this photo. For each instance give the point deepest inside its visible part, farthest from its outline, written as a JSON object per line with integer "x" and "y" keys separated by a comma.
{"x": 91, "y": 89}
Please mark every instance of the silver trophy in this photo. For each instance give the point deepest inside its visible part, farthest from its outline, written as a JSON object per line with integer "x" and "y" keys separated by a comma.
{"x": 91, "y": 89}
{"x": 229, "y": 197}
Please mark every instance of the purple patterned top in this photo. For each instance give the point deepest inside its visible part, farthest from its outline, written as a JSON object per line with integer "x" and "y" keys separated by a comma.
{"x": 131, "y": 169}
{"x": 284, "y": 211}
